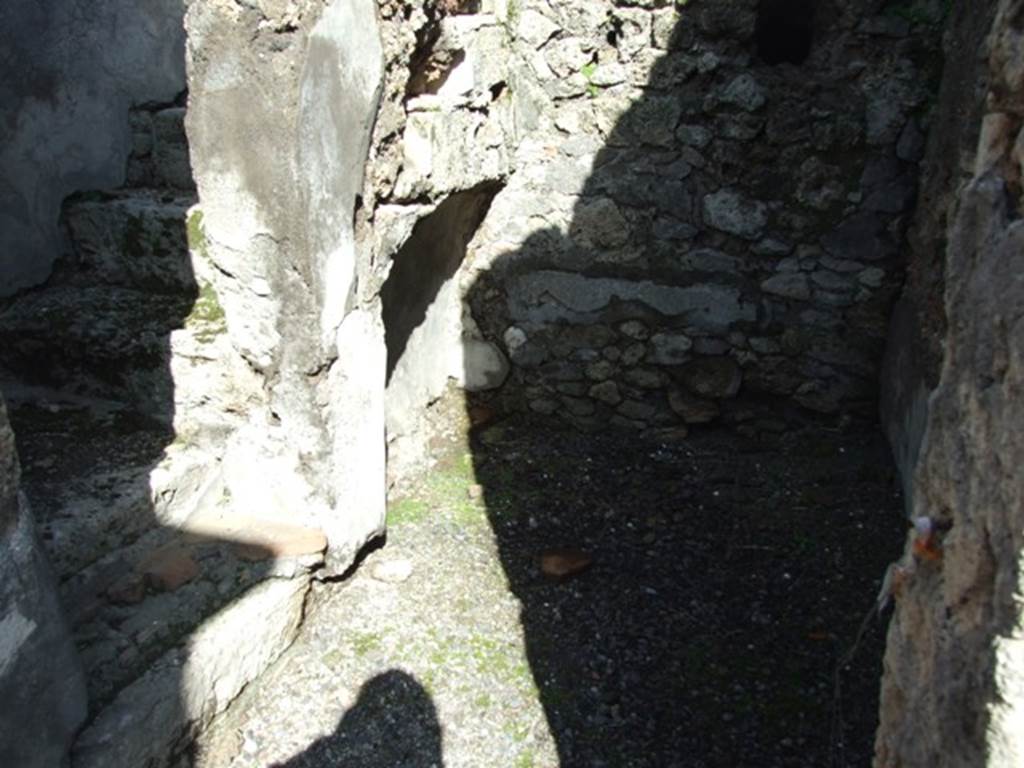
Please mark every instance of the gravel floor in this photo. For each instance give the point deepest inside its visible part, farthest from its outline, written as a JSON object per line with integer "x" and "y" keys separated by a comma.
{"x": 729, "y": 575}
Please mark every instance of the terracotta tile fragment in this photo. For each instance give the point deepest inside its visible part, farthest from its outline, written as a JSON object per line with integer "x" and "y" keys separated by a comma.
{"x": 564, "y": 563}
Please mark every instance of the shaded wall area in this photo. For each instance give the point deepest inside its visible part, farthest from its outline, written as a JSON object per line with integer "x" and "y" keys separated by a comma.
{"x": 80, "y": 67}
{"x": 914, "y": 348}
{"x": 75, "y": 73}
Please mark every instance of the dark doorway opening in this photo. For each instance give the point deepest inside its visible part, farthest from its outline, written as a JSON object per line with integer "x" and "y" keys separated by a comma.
{"x": 785, "y": 30}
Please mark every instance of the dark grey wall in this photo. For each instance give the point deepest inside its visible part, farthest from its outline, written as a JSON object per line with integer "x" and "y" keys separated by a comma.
{"x": 42, "y": 687}
{"x": 73, "y": 68}
{"x": 914, "y": 347}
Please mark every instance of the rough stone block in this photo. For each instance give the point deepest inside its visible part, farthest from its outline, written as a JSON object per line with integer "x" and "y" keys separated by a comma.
{"x": 170, "y": 156}
{"x": 669, "y": 348}
{"x": 158, "y": 714}
{"x": 731, "y": 212}
{"x": 712, "y": 377}
{"x": 135, "y": 240}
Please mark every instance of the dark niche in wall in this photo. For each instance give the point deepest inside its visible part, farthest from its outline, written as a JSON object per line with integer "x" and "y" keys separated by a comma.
{"x": 428, "y": 259}
{"x": 785, "y": 30}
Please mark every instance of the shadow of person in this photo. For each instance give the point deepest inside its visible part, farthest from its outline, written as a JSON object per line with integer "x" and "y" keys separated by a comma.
{"x": 393, "y": 724}
{"x": 618, "y": 306}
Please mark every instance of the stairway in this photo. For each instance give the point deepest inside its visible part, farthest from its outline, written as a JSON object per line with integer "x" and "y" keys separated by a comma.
{"x": 123, "y": 389}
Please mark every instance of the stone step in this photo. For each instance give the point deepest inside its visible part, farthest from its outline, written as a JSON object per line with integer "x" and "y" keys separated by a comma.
{"x": 135, "y": 604}
{"x": 157, "y": 716}
{"x": 99, "y": 477}
{"x": 109, "y": 341}
{"x": 160, "y": 155}
{"x": 171, "y": 592}
{"x": 187, "y": 620}
{"x": 160, "y": 354}
{"x": 135, "y": 238}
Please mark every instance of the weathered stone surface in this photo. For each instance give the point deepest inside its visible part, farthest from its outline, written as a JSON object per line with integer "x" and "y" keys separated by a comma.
{"x": 669, "y": 348}
{"x": 635, "y": 410}
{"x": 729, "y": 211}
{"x": 713, "y": 377}
{"x": 691, "y": 409}
{"x": 635, "y": 329}
{"x": 791, "y": 285}
{"x": 703, "y": 306}
{"x": 434, "y": 166}
{"x": 279, "y": 177}
{"x": 710, "y": 260}
{"x": 578, "y": 406}
{"x": 970, "y": 435}
{"x": 154, "y": 717}
{"x": 170, "y": 156}
{"x": 135, "y": 240}
{"x": 159, "y": 156}
{"x": 694, "y": 135}
{"x": 954, "y": 667}
{"x": 599, "y": 223}
{"x": 484, "y": 366}
{"x": 41, "y": 677}
{"x": 861, "y": 237}
{"x": 111, "y": 341}
{"x": 356, "y": 399}
{"x": 544, "y": 406}
{"x": 645, "y": 378}
{"x": 607, "y": 392}
{"x": 914, "y": 349}
{"x": 338, "y": 95}
{"x": 744, "y": 92}
{"x": 122, "y": 317}
{"x": 535, "y": 29}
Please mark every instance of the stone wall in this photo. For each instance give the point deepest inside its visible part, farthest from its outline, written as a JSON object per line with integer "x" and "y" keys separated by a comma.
{"x": 335, "y": 285}
{"x": 40, "y": 672}
{"x": 80, "y": 68}
{"x": 655, "y": 211}
{"x": 282, "y": 98}
{"x": 632, "y": 213}
{"x": 693, "y": 215}
{"x": 690, "y": 204}
{"x": 443, "y": 148}
{"x": 953, "y": 689}
{"x": 914, "y": 346}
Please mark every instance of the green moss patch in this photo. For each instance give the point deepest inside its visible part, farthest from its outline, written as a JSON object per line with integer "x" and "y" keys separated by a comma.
{"x": 196, "y": 234}
{"x": 206, "y": 320}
